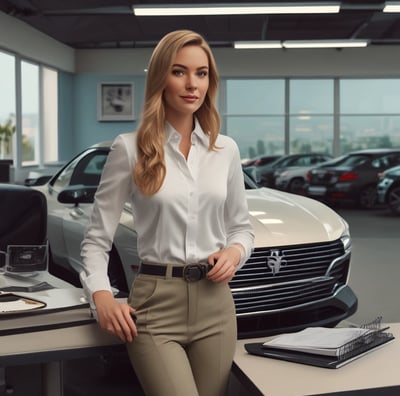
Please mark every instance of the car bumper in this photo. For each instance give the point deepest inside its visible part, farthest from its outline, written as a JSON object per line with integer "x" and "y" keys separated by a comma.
{"x": 326, "y": 312}
{"x": 337, "y": 192}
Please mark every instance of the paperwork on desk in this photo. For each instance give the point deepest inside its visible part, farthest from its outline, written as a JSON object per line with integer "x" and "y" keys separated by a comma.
{"x": 14, "y": 303}
{"x": 317, "y": 340}
{"x": 324, "y": 347}
{"x": 44, "y": 301}
{"x": 57, "y": 308}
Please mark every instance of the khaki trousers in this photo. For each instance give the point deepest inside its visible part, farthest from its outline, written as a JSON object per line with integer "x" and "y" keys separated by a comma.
{"x": 187, "y": 336}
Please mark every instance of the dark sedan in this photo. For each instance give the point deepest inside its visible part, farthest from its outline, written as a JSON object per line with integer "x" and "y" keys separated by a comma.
{"x": 389, "y": 189}
{"x": 353, "y": 178}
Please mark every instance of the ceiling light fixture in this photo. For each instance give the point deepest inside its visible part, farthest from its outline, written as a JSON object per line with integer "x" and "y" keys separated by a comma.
{"x": 392, "y": 6}
{"x": 236, "y": 9}
{"x": 257, "y": 44}
{"x": 352, "y": 43}
{"x": 300, "y": 44}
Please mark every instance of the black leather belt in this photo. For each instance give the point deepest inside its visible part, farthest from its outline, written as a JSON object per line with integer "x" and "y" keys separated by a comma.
{"x": 189, "y": 272}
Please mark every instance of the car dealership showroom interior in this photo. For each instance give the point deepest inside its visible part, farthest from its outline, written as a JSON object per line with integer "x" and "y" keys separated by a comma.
{"x": 307, "y": 96}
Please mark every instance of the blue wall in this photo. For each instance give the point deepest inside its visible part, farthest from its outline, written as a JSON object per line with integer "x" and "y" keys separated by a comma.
{"x": 65, "y": 116}
{"x": 78, "y": 124}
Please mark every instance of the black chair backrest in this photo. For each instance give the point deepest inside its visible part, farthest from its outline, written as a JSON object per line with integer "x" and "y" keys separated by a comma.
{"x": 23, "y": 217}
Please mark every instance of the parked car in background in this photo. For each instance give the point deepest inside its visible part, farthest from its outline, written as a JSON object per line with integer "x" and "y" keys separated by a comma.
{"x": 351, "y": 178}
{"x": 296, "y": 277}
{"x": 260, "y": 160}
{"x": 265, "y": 174}
{"x": 389, "y": 189}
{"x": 253, "y": 165}
{"x": 292, "y": 178}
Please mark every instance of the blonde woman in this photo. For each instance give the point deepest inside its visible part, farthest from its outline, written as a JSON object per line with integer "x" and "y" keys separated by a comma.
{"x": 185, "y": 185}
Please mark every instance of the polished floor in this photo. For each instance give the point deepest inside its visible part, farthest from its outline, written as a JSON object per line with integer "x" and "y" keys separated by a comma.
{"x": 375, "y": 274}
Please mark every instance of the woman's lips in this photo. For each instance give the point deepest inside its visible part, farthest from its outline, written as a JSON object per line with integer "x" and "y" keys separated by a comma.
{"x": 189, "y": 98}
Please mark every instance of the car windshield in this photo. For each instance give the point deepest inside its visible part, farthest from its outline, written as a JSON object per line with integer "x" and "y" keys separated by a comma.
{"x": 249, "y": 183}
{"x": 351, "y": 160}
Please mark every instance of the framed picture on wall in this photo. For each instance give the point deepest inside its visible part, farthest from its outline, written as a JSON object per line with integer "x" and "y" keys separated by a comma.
{"x": 115, "y": 101}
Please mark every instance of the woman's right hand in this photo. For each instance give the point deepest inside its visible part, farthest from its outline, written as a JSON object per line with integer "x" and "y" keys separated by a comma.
{"x": 115, "y": 317}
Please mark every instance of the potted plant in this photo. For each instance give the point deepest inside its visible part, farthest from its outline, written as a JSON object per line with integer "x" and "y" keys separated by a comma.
{"x": 6, "y": 132}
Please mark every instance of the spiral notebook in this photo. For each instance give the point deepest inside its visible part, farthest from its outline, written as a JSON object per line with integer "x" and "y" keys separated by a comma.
{"x": 324, "y": 347}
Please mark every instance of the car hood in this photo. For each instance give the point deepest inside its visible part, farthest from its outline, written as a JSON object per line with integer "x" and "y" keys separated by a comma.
{"x": 281, "y": 219}
{"x": 395, "y": 171}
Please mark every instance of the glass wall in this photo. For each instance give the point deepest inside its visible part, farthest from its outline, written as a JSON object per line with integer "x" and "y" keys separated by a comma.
{"x": 50, "y": 115}
{"x": 332, "y": 116}
{"x": 7, "y": 105}
{"x": 34, "y": 121}
{"x": 369, "y": 113}
{"x": 254, "y": 117}
{"x": 311, "y": 116}
{"x": 30, "y": 113}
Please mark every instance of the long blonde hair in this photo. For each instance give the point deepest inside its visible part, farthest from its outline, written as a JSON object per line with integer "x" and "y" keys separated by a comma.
{"x": 149, "y": 171}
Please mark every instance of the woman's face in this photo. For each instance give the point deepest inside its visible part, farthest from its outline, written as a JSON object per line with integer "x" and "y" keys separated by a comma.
{"x": 187, "y": 82}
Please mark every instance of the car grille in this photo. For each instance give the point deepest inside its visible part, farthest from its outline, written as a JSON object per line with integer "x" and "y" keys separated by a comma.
{"x": 280, "y": 278}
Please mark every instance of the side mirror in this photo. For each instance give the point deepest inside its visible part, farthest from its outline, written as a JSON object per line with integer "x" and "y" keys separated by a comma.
{"x": 77, "y": 194}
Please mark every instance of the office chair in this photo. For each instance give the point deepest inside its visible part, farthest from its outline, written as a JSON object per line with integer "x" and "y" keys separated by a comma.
{"x": 23, "y": 221}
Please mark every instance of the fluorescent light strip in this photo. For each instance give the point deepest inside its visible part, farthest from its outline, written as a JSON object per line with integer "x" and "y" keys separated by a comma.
{"x": 300, "y": 44}
{"x": 257, "y": 44}
{"x": 392, "y": 6}
{"x": 325, "y": 43}
{"x": 240, "y": 9}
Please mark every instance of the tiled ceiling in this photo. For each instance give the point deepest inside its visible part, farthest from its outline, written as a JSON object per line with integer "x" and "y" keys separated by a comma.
{"x": 111, "y": 23}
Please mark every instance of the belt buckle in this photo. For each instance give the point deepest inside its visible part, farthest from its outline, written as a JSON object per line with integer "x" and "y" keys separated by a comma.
{"x": 194, "y": 272}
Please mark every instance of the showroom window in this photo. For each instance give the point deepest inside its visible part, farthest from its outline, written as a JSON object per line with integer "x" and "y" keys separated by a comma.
{"x": 50, "y": 115}
{"x": 255, "y": 116}
{"x": 311, "y": 116}
{"x": 369, "y": 114}
{"x": 331, "y": 116}
{"x": 7, "y": 105}
{"x": 28, "y": 97}
{"x": 280, "y": 116}
{"x": 30, "y": 113}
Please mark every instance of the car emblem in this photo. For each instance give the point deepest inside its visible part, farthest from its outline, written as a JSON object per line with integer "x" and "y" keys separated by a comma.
{"x": 275, "y": 261}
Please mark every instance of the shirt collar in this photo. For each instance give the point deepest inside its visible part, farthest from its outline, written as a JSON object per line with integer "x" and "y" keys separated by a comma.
{"x": 171, "y": 133}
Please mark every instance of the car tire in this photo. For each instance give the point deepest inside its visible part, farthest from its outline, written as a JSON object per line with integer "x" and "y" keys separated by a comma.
{"x": 296, "y": 185}
{"x": 367, "y": 197}
{"x": 393, "y": 199}
{"x": 67, "y": 275}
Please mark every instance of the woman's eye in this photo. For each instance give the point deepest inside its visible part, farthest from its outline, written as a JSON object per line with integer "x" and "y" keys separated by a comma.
{"x": 202, "y": 74}
{"x": 177, "y": 72}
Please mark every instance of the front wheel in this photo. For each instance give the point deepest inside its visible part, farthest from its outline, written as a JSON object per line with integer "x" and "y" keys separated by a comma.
{"x": 296, "y": 185}
{"x": 393, "y": 200}
{"x": 367, "y": 198}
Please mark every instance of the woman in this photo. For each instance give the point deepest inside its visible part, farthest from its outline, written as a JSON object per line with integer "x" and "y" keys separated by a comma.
{"x": 185, "y": 185}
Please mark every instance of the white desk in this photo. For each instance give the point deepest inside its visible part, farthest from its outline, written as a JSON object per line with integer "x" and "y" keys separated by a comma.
{"x": 39, "y": 277}
{"x": 271, "y": 377}
{"x": 50, "y": 347}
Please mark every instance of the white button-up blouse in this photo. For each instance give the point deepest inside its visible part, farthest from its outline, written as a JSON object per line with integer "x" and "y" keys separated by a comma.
{"x": 200, "y": 208}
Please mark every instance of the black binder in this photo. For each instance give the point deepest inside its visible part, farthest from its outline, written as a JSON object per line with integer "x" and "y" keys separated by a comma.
{"x": 355, "y": 349}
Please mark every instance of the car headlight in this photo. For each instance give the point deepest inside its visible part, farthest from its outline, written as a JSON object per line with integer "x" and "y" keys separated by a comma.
{"x": 345, "y": 238}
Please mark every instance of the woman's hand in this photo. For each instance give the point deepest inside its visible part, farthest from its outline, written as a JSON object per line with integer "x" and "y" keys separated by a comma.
{"x": 225, "y": 263}
{"x": 115, "y": 317}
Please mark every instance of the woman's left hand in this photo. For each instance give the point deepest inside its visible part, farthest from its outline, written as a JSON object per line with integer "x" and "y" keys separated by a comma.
{"x": 225, "y": 263}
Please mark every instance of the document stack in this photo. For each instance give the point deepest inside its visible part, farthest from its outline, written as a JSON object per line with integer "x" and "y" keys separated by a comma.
{"x": 324, "y": 347}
